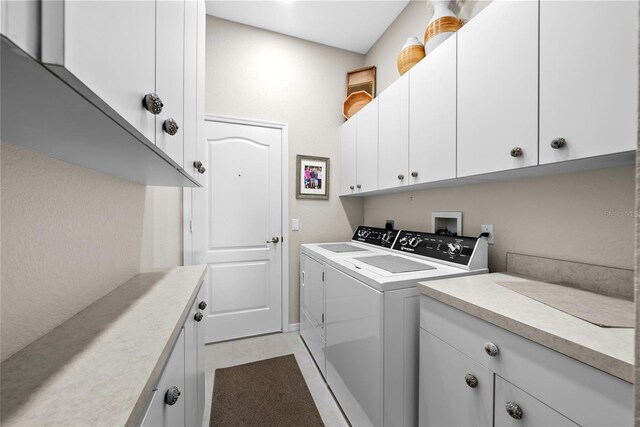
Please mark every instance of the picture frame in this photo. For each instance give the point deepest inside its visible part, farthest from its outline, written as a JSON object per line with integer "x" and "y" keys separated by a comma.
{"x": 312, "y": 177}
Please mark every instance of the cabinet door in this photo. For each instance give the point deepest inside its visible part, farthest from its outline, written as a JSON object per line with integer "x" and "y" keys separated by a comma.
{"x": 498, "y": 88}
{"x": 445, "y": 397}
{"x": 588, "y": 78}
{"x": 367, "y": 148}
{"x": 170, "y": 15}
{"x": 354, "y": 347}
{"x": 190, "y": 394}
{"x": 348, "y": 133}
{"x": 313, "y": 291}
{"x": 190, "y": 126}
{"x": 110, "y": 46}
{"x": 159, "y": 413}
{"x": 533, "y": 412}
{"x": 432, "y": 116}
{"x": 393, "y": 147}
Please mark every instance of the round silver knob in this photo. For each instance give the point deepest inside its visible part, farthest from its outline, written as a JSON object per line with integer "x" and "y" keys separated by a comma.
{"x": 198, "y": 165}
{"x": 558, "y": 143}
{"x": 202, "y": 305}
{"x": 414, "y": 174}
{"x": 471, "y": 380}
{"x": 351, "y": 187}
{"x": 414, "y": 241}
{"x": 170, "y": 126}
{"x": 404, "y": 241}
{"x": 198, "y": 317}
{"x": 359, "y": 186}
{"x": 516, "y": 152}
{"x": 152, "y": 103}
{"x": 514, "y": 410}
{"x": 454, "y": 249}
{"x": 400, "y": 177}
{"x": 491, "y": 349}
{"x": 172, "y": 395}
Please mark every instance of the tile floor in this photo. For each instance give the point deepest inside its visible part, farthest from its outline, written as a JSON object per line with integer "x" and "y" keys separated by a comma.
{"x": 247, "y": 350}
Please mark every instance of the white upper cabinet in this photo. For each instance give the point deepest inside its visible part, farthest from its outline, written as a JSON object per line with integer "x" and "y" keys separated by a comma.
{"x": 109, "y": 47}
{"x": 348, "y": 149}
{"x": 367, "y": 148}
{"x": 432, "y": 116}
{"x": 170, "y": 51}
{"x": 393, "y": 148}
{"x": 498, "y": 89}
{"x": 588, "y": 78}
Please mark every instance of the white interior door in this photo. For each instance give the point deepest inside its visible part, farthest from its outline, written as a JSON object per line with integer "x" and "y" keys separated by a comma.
{"x": 237, "y": 229}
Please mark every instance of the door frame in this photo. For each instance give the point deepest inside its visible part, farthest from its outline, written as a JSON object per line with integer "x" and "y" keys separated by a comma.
{"x": 186, "y": 206}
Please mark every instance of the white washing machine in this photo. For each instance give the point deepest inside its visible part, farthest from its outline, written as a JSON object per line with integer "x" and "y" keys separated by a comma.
{"x": 366, "y": 241}
{"x": 371, "y": 321}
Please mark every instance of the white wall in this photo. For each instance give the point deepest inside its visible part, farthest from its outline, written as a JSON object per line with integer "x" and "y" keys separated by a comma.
{"x": 259, "y": 74}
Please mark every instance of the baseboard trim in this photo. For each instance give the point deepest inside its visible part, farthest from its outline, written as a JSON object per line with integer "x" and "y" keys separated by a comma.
{"x": 294, "y": 327}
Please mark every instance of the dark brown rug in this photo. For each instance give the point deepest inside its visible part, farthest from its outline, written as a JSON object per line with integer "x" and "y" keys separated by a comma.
{"x": 269, "y": 392}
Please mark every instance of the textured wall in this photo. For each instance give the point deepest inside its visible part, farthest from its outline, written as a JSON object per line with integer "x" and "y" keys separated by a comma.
{"x": 162, "y": 228}
{"x": 258, "y": 74}
{"x": 411, "y": 22}
{"x": 69, "y": 236}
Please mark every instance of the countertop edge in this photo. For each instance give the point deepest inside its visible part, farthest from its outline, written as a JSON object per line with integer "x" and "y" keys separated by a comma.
{"x": 610, "y": 365}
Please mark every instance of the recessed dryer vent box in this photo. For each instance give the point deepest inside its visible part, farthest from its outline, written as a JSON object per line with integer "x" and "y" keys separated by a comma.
{"x": 449, "y": 223}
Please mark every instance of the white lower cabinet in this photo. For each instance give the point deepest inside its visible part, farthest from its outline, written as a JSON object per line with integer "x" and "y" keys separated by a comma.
{"x": 312, "y": 300}
{"x": 522, "y": 384}
{"x": 178, "y": 398}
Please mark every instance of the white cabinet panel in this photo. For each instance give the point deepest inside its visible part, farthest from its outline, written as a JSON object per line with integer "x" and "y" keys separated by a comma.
{"x": 367, "y": 148}
{"x": 348, "y": 150}
{"x": 110, "y": 47}
{"x": 445, "y": 397}
{"x": 432, "y": 116}
{"x": 393, "y": 148}
{"x": 533, "y": 412}
{"x": 170, "y": 24}
{"x": 189, "y": 128}
{"x": 313, "y": 291}
{"x": 588, "y": 78}
{"x": 498, "y": 88}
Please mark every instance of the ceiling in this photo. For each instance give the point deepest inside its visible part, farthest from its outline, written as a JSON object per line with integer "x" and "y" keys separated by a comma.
{"x": 350, "y": 25}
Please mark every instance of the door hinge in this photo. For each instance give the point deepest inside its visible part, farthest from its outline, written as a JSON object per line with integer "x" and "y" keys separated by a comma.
{"x": 322, "y": 317}
{"x": 190, "y": 226}
{"x": 323, "y": 276}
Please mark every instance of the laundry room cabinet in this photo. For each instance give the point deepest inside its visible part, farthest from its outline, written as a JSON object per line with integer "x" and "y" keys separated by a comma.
{"x": 359, "y": 151}
{"x": 588, "y": 79}
{"x": 312, "y": 308}
{"x": 475, "y": 373}
{"x": 393, "y": 147}
{"x": 498, "y": 89}
{"x": 432, "y": 116}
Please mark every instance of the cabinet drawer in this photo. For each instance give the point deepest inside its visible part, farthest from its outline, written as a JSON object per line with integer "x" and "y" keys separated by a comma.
{"x": 582, "y": 393}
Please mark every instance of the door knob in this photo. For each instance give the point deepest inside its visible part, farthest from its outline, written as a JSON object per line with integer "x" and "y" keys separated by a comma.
{"x": 274, "y": 239}
{"x": 152, "y": 103}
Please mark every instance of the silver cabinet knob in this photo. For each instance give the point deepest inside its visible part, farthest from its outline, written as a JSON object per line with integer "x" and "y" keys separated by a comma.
{"x": 172, "y": 395}
{"x": 202, "y": 305}
{"x": 514, "y": 410}
{"x": 351, "y": 187}
{"x": 400, "y": 177}
{"x": 516, "y": 152}
{"x": 170, "y": 126}
{"x": 152, "y": 103}
{"x": 558, "y": 143}
{"x": 471, "y": 380}
{"x": 414, "y": 174}
{"x": 359, "y": 186}
{"x": 491, "y": 349}
{"x": 198, "y": 317}
{"x": 198, "y": 165}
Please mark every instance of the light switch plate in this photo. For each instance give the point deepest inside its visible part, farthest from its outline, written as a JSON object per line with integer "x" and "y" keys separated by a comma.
{"x": 295, "y": 224}
{"x": 488, "y": 228}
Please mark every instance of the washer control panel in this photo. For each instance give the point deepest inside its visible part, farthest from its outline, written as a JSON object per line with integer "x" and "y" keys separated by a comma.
{"x": 375, "y": 236}
{"x": 456, "y": 249}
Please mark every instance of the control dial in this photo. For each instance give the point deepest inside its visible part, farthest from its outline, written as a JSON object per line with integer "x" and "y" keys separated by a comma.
{"x": 366, "y": 233}
{"x": 404, "y": 241}
{"x": 454, "y": 249}
{"x": 386, "y": 238}
{"x": 414, "y": 241}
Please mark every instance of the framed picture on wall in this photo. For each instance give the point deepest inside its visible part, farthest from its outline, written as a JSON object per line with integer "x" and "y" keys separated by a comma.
{"x": 312, "y": 177}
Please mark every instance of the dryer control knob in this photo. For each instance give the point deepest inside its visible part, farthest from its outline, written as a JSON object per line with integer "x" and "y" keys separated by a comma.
{"x": 404, "y": 241}
{"x": 454, "y": 249}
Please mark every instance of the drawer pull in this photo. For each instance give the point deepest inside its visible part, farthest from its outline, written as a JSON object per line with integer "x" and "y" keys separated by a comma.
{"x": 152, "y": 103}
{"x": 198, "y": 317}
{"x": 516, "y": 152}
{"x": 491, "y": 349}
{"x": 351, "y": 187}
{"x": 558, "y": 143}
{"x": 400, "y": 177}
{"x": 471, "y": 380}
{"x": 202, "y": 305}
{"x": 170, "y": 126}
{"x": 359, "y": 186}
{"x": 514, "y": 410}
{"x": 172, "y": 395}
{"x": 414, "y": 174}
{"x": 198, "y": 165}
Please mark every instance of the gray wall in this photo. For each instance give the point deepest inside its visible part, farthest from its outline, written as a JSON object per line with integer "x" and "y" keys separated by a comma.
{"x": 259, "y": 74}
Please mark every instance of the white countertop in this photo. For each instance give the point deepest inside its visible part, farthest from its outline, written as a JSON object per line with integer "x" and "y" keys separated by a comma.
{"x": 99, "y": 367}
{"x": 608, "y": 349}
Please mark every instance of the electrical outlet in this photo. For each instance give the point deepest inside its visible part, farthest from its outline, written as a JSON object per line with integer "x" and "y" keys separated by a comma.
{"x": 295, "y": 224}
{"x": 388, "y": 225}
{"x": 488, "y": 228}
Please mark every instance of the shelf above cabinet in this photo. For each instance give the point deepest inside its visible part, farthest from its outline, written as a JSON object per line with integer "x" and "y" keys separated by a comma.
{"x": 42, "y": 112}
